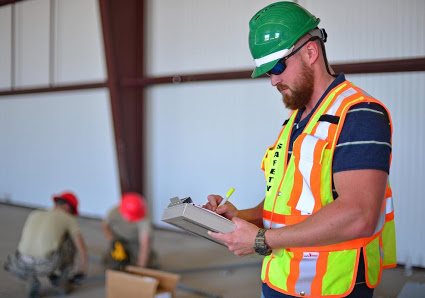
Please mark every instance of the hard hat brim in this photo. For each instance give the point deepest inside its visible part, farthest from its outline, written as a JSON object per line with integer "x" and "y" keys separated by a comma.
{"x": 258, "y": 71}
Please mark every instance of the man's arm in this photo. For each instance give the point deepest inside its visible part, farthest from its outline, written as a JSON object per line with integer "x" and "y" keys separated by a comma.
{"x": 354, "y": 214}
{"x": 144, "y": 249}
{"x": 107, "y": 231}
{"x": 82, "y": 252}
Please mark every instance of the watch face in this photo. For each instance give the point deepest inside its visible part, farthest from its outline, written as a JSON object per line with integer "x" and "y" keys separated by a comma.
{"x": 260, "y": 246}
{"x": 262, "y": 251}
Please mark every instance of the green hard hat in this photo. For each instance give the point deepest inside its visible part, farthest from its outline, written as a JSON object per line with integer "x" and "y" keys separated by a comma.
{"x": 274, "y": 30}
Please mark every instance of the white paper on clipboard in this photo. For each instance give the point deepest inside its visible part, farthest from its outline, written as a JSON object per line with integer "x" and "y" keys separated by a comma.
{"x": 184, "y": 214}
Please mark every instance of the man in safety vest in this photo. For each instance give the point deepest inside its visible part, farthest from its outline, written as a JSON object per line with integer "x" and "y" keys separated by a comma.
{"x": 326, "y": 224}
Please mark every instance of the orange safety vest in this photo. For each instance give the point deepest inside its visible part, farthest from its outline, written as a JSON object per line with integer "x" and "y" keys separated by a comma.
{"x": 300, "y": 187}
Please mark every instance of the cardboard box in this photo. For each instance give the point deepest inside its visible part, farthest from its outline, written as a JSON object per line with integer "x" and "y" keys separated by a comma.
{"x": 140, "y": 282}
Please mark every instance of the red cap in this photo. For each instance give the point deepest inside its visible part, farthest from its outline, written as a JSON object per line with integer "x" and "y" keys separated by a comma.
{"x": 70, "y": 198}
{"x": 133, "y": 206}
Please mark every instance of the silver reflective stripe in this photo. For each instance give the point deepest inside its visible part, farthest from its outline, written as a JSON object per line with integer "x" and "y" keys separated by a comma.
{"x": 276, "y": 225}
{"x": 273, "y": 56}
{"x": 381, "y": 252}
{"x": 307, "y": 272}
{"x": 306, "y": 201}
{"x": 389, "y": 206}
{"x": 268, "y": 225}
{"x": 338, "y": 101}
{"x": 322, "y": 130}
{"x": 380, "y": 223}
{"x": 271, "y": 225}
{"x": 367, "y": 94}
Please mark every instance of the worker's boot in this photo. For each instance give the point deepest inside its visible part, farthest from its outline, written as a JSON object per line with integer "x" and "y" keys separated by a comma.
{"x": 34, "y": 288}
{"x": 64, "y": 287}
{"x": 54, "y": 279}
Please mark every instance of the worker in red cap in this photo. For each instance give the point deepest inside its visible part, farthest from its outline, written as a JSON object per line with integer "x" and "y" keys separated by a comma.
{"x": 49, "y": 241}
{"x": 128, "y": 229}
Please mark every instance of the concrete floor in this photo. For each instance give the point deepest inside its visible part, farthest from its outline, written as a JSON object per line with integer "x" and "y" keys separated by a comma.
{"x": 207, "y": 269}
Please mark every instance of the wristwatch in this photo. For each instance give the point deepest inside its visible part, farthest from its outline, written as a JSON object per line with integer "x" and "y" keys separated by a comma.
{"x": 260, "y": 245}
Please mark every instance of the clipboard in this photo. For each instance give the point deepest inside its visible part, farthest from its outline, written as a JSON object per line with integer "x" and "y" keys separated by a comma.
{"x": 186, "y": 215}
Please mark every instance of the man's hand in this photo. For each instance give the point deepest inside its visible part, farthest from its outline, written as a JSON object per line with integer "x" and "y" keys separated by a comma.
{"x": 240, "y": 241}
{"x": 228, "y": 210}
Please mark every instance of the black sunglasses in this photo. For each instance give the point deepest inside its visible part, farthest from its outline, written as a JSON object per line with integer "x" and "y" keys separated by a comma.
{"x": 281, "y": 66}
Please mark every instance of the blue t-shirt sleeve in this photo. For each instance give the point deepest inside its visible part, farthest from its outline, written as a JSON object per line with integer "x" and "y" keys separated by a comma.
{"x": 365, "y": 140}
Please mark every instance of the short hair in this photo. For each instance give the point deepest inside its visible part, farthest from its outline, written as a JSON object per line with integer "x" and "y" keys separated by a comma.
{"x": 62, "y": 201}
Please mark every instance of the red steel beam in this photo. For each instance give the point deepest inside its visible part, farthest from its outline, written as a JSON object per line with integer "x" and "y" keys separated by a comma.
{"x": 404, "y": 65}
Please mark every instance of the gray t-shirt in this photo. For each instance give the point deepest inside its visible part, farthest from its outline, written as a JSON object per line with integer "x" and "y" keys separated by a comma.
{"x": 128, "y": 231}
{"x": 122, "y": 229}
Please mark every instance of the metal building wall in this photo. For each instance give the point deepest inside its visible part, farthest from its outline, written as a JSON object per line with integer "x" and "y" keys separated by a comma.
{"x": 54, "y": 141}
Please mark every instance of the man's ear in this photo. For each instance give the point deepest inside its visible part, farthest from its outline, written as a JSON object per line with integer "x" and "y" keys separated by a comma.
{"x": 312, "y": 52}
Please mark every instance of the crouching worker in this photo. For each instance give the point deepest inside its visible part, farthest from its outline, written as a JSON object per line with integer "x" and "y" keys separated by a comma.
{"x": 49, "y": 241}
{"x": 128, "y": 230}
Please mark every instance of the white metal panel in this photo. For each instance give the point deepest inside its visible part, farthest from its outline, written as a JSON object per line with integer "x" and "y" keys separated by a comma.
{"x": 191, "y": 36}
{"x": 403, "y": 94}
{"x": 59, "y": 141}
{"x": 5, "y": 47}
{"x": 371, "y": 30}
{"x": 205, "y": 138}
{"x": 32, "y": 43}
{"x": 79, "y": 51}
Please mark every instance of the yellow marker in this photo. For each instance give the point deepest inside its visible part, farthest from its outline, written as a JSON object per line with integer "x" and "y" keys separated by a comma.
{"x": 229, "y": 193}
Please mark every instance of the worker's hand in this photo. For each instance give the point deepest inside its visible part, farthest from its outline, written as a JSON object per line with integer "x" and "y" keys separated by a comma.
{"x": 240, "y": 241}
{"x": 228, "y": 210}
{"x": 77, "y": 278}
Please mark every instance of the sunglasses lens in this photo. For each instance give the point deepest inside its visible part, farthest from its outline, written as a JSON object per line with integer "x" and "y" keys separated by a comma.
{"x": 277, "y": 69}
